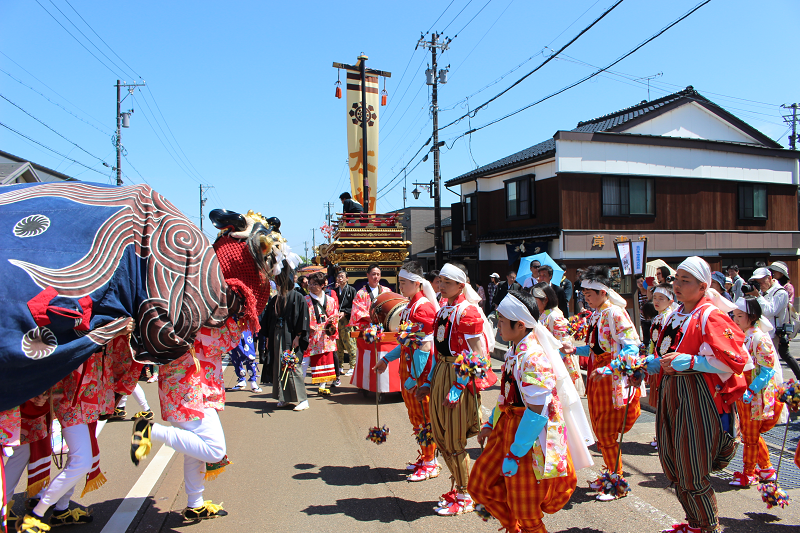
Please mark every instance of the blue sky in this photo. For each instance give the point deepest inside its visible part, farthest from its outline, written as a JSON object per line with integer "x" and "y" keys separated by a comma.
{"x": 242, "y": 97}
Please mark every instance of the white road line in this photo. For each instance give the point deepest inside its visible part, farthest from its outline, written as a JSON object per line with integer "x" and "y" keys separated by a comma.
{"x": 641, "y": 506}
{"x": 130, "y": 506}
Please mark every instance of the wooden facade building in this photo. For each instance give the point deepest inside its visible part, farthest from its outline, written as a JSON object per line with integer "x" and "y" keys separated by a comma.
{"x": 690, "y": 176}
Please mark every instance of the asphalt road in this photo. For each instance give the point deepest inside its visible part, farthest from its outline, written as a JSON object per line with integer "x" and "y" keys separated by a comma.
{"x": 315, "y": 471}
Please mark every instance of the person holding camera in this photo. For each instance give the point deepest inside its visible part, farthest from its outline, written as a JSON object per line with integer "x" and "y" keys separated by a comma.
{"x": 774, "y": 302}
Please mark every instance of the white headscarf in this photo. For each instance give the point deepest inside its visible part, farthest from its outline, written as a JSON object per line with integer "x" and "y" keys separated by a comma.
{"x": 427, "y": 288}
{"x": 700, "y": 270}
{"x": 579, "y": 435}
{"x": 451, "y": 271}
{"x": 764, "y": 324}
{"x": 613, "y": 296}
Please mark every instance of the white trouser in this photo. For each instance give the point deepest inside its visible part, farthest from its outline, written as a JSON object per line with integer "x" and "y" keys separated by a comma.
{"x": 15, "y": 466}
{"x": 79, "y": 463}
{"x": 200, "y": 442}
{"x": 304, "y": 367}
{"x": 138, "y": 393}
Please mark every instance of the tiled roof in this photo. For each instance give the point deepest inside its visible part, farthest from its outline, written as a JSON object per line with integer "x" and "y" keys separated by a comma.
{"x": 446, "y": 223}
{"x": 610, "y": 122}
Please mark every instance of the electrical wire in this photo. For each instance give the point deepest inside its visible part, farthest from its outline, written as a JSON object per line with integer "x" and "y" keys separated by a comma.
{"x": 440, "y": 16}
{"x": 102, "y": 40}
{"x": 473, "y": 18}
{"x": 542, "y": 64}
{"x": 107, "y": 132}
{"x": 54, "y": 131}
{"x": 134, "y": 169}
{"x": 459, "y": 14}
{"x": 48, "y": 148}
{"x": 590, "y": 76}
{"x": 409, "y": 162}
{"x": 76, "y": 39}
{"x": 483, "y": 37}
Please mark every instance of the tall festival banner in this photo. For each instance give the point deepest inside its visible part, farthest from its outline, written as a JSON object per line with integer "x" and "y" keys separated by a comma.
{"x": 355, "y": 116}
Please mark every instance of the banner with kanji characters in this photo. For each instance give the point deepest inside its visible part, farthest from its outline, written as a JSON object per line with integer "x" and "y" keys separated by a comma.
{"x": 355, "y": 115}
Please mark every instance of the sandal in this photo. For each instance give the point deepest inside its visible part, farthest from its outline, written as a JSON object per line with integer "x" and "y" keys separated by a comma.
{"x": 140, "y": 440}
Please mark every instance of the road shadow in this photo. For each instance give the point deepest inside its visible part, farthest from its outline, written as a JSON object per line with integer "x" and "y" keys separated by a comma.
{"x": 352, "y": 396}
{"x": 353, "y": 476}
{"x": 582, "y": 494}
{"x": 657, "y": 480}
{"x": 638, "y": 448}
{"x": 757, "y": 522}
{"x": 582, "y": 530}
{"x": 385, "y": 509}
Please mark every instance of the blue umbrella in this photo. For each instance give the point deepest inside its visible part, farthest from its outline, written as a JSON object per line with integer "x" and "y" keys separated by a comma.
{"x": 544, "y": 258}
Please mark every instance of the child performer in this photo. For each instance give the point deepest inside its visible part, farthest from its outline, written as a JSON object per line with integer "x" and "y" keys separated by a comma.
{"x": 192, "y": 390}
{"x": 702, "y": 356}
{"x": 526, "y": 469}
{"x": 611, "y": 335}
{"x": 243, "y": 359}
{"x": 551, "y": 317}
{"x": 460, "y": 326}
{"x": 759, "y": 408}
{"x": 420, "y": 311}
{"x": 664, "y": 302}
{"x": 323, "y": 312}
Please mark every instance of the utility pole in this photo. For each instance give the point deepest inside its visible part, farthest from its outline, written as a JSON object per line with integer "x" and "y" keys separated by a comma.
{"x": 792, "y": 119}
{"x": 361, "y": 68}
{"x": 203, "y": 201}
{"x": 306, "y": 256}
{"x": 123, "y": 121}
{"x": 329, "y": 206}
{"x": 313, "y": 239}
{"x": 434, "y": 76}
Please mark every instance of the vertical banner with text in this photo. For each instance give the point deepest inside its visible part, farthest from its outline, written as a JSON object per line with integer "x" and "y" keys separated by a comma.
{"x": 355, "y": 116}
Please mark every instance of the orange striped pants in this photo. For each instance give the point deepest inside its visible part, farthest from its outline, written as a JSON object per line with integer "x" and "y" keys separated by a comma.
{"x": 755, "y": 450}
{"x": 520, "y": 501}
{"x": 418, "y": 413}
{"x": 607, "y": 420}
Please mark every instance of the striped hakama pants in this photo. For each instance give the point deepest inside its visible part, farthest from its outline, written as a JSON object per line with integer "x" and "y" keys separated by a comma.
{"x": 520, "y": 501}
{"x": 692, "y": 444}
{"x": 418, "y": 413}
{"x": 755, "y": 449}
{"x": 452, "y": 426}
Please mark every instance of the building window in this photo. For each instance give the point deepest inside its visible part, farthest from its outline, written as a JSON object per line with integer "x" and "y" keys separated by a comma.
{"x": 470, "y": 208}
{"x": 448, "y": 240}
{"x": 520, "y": 197}
{"x": 624, "y": 197}
{"x": 753, "y": 201}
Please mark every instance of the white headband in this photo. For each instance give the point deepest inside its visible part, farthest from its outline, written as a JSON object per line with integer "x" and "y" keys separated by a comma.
{"x": 613, "y": 296}
{"x": 665, "y": 292}
{"x": 763, "y": 323}
{"x": 427, "y": 289}
{"x": 514, "y": 310}
{"x": 451, "y": 271}
{"x": 699, "y": 269}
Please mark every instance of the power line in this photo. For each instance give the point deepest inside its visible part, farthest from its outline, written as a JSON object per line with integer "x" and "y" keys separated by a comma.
{"x": 409, "y": 162}
{"x": 440, "y": 16}
{"x": 473, "y": 18}
{"x": 542, "y": 64}
{"x": 76, "y": 39}
{"x": 48, "y": 148}
{"x": 454, "y": 18}
{"x": 54, "y": 131}
{"x": 134, "y": 168}
{"x": 590, "y": 76}
{"x": 483, "y": 37}
{"x": 54, "y": 91}
{"x": 103, "y": 41}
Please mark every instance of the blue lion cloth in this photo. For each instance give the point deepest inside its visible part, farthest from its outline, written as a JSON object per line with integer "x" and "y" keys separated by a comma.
{"x": 78, "y": 260}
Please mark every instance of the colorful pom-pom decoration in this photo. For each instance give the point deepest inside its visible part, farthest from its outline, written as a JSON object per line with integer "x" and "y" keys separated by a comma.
{"x": 289, "y": 360}
{"x": 773, "y": 495}
{"x": 470, "y": 365}
{"x": 424, "y": 435}
{"x": 789, "y": 393}
{"x": 612, "y": 484}
{"x": 628, "y": 365}
{"x": 378, "y": 435}
{"x": 373, "y": 333}
{"x": 579, "y": 325}
{"x": 410, "y": 334}
{"x": 482, "y": 513}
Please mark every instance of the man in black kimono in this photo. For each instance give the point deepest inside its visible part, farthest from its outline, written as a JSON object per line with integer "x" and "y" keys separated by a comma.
{"x": 287, "y": 329}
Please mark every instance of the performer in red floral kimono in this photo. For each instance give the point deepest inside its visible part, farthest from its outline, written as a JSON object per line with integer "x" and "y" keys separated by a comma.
{"x": 759, "y": 409}
{"x": 611, "y": 336}
{"x": 415, "y": 363}
{"x": 702, "y": 355}
{"x": 527, "y": 467}
{"x": 323, "y": 313}
{"x": 455, "y": 416}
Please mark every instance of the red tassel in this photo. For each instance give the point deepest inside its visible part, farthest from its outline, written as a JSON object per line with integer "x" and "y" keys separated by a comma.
{"x": 338, "y": 90}
{"x": 384, "y": 96}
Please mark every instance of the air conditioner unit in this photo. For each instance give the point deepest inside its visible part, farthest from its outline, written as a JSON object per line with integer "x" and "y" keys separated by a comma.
{"x": 464, "y": 235}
